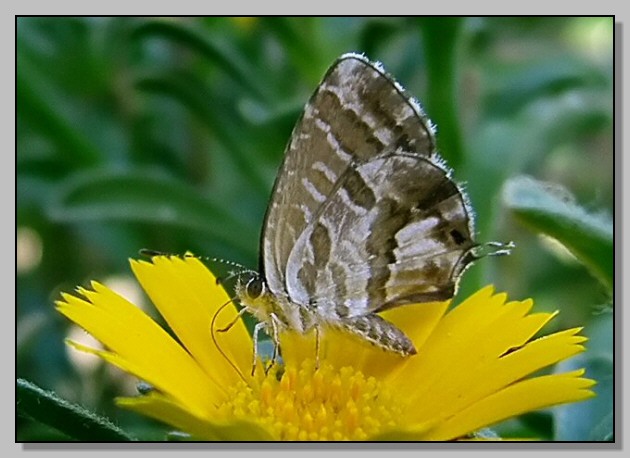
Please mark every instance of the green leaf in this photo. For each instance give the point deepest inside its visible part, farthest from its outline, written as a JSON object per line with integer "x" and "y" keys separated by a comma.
{"x": 298, "y": 39}
{"x": 590, "y": 420}
{"x": 39, "y": 111}
{"x": 71, "y": 419}
{"x": 178, "y": 436}
{"x": 441, "y": 39}
{"x": 193, "y": 94}
{"x": 258, "y": 114}
{"x": 551, "y": 210}
{"x": 215, "y": 52}
{"x": 519, "y": 87}
{"x": 143, "y": 197}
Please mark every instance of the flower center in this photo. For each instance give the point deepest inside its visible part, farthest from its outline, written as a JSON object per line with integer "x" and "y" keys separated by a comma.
{"x": 326, "y": 404}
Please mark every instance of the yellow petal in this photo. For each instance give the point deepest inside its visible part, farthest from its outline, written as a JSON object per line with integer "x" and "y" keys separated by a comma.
{"x": 418, "y": 322}
{"x": 451, "y": 341}
{"x": 337, "y": 347}
{"x": 525, "y": 396}
{"x": 187, "y": 296}
{"x": 141, "y": 344}
{"x": 462, "y": 363}
{"x": 161, "y": 408}
{"x": 475, "y": 356}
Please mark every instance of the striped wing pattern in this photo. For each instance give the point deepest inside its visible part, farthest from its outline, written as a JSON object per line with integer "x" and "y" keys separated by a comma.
{"x": 364, "y": 215}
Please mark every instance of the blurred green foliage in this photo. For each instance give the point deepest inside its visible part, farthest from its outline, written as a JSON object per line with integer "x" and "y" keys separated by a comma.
{"x": 167, "y": 134}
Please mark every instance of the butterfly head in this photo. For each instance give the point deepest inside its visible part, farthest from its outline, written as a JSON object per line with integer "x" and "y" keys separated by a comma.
{"x": 253, "y": 293}
{"x": 253, "y": 287}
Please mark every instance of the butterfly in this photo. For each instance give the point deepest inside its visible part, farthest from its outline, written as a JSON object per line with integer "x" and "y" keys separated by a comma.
{"x": 364, "y": 215}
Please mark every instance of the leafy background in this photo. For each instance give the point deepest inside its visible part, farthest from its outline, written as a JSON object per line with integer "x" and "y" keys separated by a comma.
{"x": 167, "y": 134}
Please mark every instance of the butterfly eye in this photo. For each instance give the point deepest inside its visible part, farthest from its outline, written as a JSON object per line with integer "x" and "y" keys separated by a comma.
{"x": 255, "y": 287}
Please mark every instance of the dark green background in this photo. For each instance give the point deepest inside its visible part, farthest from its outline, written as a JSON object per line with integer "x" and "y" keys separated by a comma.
{"x": 167, "y": 134}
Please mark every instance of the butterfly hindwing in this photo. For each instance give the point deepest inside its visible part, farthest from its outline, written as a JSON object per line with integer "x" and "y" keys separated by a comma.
{"x": 396, "y": 230}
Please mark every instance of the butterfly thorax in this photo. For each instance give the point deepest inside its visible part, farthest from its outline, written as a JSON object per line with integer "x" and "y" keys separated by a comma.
{"x": 269, "y": 308}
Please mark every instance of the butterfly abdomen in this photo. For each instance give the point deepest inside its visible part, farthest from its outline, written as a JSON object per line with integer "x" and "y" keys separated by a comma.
{"x": 379, "y": 332}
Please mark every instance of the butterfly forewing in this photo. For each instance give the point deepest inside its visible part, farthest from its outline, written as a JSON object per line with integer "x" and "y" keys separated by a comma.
{"x": 356, "y": 114}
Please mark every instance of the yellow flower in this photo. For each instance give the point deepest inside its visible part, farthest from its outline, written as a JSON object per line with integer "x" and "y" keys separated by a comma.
{"x": 470, "y": 370}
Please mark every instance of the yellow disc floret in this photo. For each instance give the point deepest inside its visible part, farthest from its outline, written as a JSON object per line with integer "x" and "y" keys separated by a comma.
{"x": 310, "y": 405}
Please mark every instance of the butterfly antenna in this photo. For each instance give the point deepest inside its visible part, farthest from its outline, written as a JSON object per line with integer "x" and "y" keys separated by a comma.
{"x": 214, "y": 338}
{"x": 240, "y": 268}
{"x": 152, "y": 253}
{"x": 496, "y": 249}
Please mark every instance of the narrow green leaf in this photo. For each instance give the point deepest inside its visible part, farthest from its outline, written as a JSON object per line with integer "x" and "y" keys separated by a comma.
{"x": 143, "y": 197}
{"x": 551, "y": 210}
{"x": 202, "y": 43}
{"x": 375, "y": 32}
{"x": 196, "y": 97}
{"x": 178, "y": 436}
{"x": 71, "y": 419}
{"x": 298, "y": 38}
{"x": 261, "y": 115}
{"x": 518, "y": 87}
{"x": 37, "y": 112}
{"x": 440, "y": 38}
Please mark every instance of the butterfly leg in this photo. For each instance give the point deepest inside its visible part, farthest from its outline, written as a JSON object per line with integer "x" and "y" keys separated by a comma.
{"x": 233, "y": 322}
{"x": 276, "y": 342}
{"x": 317, "y": 347}
{"x": 257, "y": 329}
